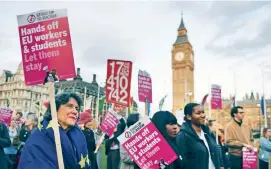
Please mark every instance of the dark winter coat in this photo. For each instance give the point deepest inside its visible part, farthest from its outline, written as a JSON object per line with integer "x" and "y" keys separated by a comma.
{"x": 194, "y": 152}
{"x": 90, "y": 139}
{"x": 4, "y": 142}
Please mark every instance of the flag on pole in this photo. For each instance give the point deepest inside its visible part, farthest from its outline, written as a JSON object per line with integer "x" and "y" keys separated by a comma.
{"x": 204, "y": 99}
{"x": 149, "y": 107}
{"x": 101, "y": 104}
{"x": 7, "y": 101}
{"x": 38, "y": 106}
{"x": 263, "y": 105}
{"x": 161, "y": 103}
{"x": 234, "y": 103}
{"x": 131, "y": 107}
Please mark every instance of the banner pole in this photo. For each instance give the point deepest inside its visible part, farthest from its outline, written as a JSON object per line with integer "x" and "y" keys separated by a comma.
{"x": 217, "y": 126}
{"x": 55, "y": 125}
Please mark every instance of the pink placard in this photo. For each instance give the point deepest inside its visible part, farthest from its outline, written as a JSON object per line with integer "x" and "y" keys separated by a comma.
{"x": 46, "y": 45}
{"x": 144, "y": 87}
{"x": 5, "y": 115}
{"x": 146, "y": 145}
{"x": 250, "y": 159}
{"x": 216, "y": 99}
{"x": 109, "y": 124}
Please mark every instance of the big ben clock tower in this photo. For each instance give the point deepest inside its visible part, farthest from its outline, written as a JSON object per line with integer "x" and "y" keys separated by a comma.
{"x": 182, "y": 70}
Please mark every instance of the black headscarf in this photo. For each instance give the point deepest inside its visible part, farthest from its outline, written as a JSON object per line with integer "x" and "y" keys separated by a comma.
{"x": 160, "y": 120}
{"x": 132, "y": 119}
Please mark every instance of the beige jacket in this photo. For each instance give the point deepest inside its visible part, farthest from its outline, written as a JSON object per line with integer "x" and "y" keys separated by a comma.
{"x": 236, "y": 136}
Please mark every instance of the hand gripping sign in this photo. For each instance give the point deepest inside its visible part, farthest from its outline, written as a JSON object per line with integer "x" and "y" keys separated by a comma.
{"x": 118, "y": 82}
{"x": 146, "y": 145}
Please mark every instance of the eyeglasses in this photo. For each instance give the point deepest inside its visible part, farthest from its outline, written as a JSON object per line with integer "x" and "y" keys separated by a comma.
{"x": 241, "y": 112}
{"x": 268, "y": 131}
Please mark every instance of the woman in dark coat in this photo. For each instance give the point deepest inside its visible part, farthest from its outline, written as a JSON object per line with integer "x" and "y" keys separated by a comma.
{"x": 166, "y": 123}
{"x": 196, "y": 141}
{"x": 4, "y": 142}
{"x": 89, "y": 134}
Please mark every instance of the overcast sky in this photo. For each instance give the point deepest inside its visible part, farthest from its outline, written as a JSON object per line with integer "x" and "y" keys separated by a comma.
{"x": 226, "y": 37}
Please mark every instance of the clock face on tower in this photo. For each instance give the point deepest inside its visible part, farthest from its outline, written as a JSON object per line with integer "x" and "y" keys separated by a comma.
{"x": 179, "y": 56}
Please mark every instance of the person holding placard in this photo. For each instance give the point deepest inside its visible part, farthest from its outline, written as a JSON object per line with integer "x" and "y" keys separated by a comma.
{"x": 40, "y": 149}
{"x": 112, "y": 146}
{"x": 237, "y": 136}
{"x": 196, "y": 142}
{"x": 126, "y": 160}
{"x": 166, "y": 123}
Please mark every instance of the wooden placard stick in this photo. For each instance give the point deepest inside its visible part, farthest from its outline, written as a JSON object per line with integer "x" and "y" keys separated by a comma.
{"x": 99, "y": 144}
{"x": 55, "y": 125}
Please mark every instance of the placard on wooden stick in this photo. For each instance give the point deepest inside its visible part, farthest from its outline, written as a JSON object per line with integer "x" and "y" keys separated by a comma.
{"x": 55, "y": 125}
{"x": 43, "y": 55}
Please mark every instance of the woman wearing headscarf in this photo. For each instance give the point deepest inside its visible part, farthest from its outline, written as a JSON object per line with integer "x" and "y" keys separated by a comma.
{"x": 196, "y": 142}
{"x": 126, "y": 160}
{"x": 166, "y": 123}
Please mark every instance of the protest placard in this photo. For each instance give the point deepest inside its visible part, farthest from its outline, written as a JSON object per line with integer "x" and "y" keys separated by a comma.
{"x": 118, "y": 82}
{"x": 109, "y": 124}
{"x": 250, "y": 158}
{"x": 144, "y": 86}
{"x": 5, "y": 115}
{"x": 216, "y": 99}
{"x": 146, "y": 145}
{"x": 45, "y": 45}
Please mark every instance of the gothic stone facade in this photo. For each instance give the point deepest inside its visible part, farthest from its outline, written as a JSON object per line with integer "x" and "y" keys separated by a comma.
{"x": 21, "y": 97}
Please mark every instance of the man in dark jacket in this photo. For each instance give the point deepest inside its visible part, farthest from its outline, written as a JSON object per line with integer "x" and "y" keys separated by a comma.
{"x": 196, "y": 142}
{"x": 4, "y": 142}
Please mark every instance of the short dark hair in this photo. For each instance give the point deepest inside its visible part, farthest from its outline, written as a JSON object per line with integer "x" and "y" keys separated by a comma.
{"x": 234, "y": 110}
{"x": 20, "y": 113}
{"x": 210, "y": 123}
{"x": 62, "y": 99}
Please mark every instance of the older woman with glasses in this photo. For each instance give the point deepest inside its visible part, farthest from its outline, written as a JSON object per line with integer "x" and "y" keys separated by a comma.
{"x": 265, "y": 148}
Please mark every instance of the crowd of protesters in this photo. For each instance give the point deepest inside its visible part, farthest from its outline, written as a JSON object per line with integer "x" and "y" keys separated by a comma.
{"x": 25, "y": 144}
